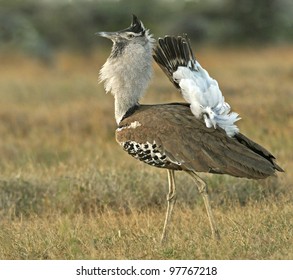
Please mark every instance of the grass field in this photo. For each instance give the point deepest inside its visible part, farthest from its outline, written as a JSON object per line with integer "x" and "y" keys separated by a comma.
{"x": 68, "y": 191}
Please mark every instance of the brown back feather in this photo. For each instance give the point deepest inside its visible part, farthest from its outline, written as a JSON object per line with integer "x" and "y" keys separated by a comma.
{"x": 189, "y": 142}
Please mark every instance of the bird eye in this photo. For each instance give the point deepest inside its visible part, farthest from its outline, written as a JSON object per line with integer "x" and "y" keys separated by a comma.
{"x": 130, "y": 35}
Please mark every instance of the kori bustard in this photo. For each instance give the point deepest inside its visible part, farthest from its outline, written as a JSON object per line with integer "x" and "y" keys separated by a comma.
{"x": 197, "y": 136}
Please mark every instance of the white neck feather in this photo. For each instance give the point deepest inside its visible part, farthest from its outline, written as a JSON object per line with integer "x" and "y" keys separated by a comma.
{"x": 127, "y": 75}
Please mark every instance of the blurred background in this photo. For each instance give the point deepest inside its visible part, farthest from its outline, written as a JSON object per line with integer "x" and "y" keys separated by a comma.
{"x": 67, "y": 190}
{"x": 42, "y": 27}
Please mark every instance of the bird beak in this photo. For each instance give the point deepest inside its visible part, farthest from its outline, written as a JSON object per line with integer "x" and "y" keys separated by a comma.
{"x": 110, "y": 35}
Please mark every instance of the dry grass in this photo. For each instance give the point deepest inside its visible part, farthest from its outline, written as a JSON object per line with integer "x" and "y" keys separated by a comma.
{"x": 68, "y": 191}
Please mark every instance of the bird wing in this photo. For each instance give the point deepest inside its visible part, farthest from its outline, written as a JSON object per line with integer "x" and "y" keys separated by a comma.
{"x": 189, "y": 144}
{"x": 174, "y": 56}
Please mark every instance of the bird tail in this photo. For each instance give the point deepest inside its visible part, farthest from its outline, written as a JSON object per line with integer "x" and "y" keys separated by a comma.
{"x": 174, "y": 56}
{"x": 172, "y": 52}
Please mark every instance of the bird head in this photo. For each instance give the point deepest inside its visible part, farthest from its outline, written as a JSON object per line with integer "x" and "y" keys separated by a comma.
{"x": 136, "y": 33}
{"x": 128, "y": 69}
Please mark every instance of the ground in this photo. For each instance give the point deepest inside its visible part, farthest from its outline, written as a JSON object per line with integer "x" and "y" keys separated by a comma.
{"x": 68, "y": 191}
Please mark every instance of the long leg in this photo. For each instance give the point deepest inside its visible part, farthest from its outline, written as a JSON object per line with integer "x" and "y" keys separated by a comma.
{"x": 202, "y": 188}
{"x": 171, "y": 199}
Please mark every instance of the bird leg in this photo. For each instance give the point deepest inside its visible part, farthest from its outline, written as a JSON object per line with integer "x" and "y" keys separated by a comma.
{"x": 202, "y": 188}
{"x": 171, "y": 199}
